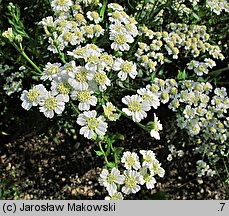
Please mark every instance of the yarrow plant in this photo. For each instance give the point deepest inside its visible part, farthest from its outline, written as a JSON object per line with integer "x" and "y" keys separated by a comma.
{"x": 135, "y": 174}
{"x": 111, "y": 64}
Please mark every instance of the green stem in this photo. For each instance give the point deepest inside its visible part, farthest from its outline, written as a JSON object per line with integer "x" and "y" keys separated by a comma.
{"x": 75, "y": 108}
{"x": 113, "y": 150}
{"x": 62, "y": 57}
{"x": 140, "y": 12}
{"x": 133, "y": 46}
{"x": 104, "y": 154}
{"x": 139, "y": 124}
{"x": 103, "y": 9}
{"x": 22, "y": 52}
{"x": 218, "y": 72}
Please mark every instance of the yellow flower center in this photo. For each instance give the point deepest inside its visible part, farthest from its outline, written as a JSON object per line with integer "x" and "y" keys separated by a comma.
{"x": 92, "y": 123}
{"x": 84, "y": 95}
{"x": 79, "y": 51}
{"x": 154, "y": 88}
{"x": 68, "y": 36}
{"x": 81, "y": 76}
{"x": 51, "y": 103}
{"x": 146, "y": 97}
{"x": 164, "y": 95}
{"x": 201, "y": 68}
{"x": 115, "y": 197}
{"x": 79, "y": 35}
{"x": 155, "y": 168}
{"x": 108, "y": 110}
{"x": 116, "y": 15}
{"x": 64, "y": 88}
{"x": 62, "y": 23}
{"x": 89, "y": 30}
{"x": 144, "y": 58}
{"x": 94, "y": 15}
{"x": 147, "y": 177}
{"x": 130, "y": 182}
{"x": 61, "y": 2}
{"x": 174, "y": 90}
{"x": 148, "y": 158}
{"x": 69, "y": 68}
{"x": 111, "y": 178}
{"x": 217, "y": 101}
{"x": 120, "y": 38}
{"x": 128, "y": 27}
{"x": 184, "y": 95}
{"x": 100, "y": 78}
{"x": 130, "y": 161}
{"x": 79, "y": 18}
{"x": 126, "y": 67}
{"x": 33, "y": 94}
{"x": 93, "y": 59}
{"x": 152, "y": 65}
{"x": 134, "y": 106}
{"x": 92, "y": 46}
{"x": 107, "y": 59}
{"x": 176, "y": 103}
{"x": 54, "y": 69}
{"x": 208, "y": 115}
{"x": 98, "y": 28}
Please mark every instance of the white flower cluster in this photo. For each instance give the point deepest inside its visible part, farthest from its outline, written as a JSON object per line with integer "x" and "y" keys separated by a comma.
{"x": 122, "y": 30}
{"x": 12, "y": 80}
{"x": 78, "y": 83}
{"x": 194, "y": 2}
{"x": 174, "y": 153}
{"x": 134, "y": 175}
{"x": 201, "y": 68}
{"x": 181, "y": 8}
{"x": 204, "y": 169}
{"x": 179, "y": 40}
{"x": 70, "y": 28}
{"x": 138, "y": 105}
{"x": 218, "y": 6}
{"x": 202, "y": 110}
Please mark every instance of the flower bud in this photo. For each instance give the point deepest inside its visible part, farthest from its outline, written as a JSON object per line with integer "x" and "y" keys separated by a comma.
{"x": 18, "y": 39}
{"x": 9, "y": 34}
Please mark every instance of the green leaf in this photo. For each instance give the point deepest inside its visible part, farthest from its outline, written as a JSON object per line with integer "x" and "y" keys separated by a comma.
{"x": 98, "y": 153}
{"x": 181, "y": 75}
{"x": 150, "y": 125}
{"x": 196, "y": 16}
{"x": 118, "y": 136}
{"x": 153, "y": 76}
{"x": 140, "y": 73}
{"x": 111, "y": 165}
{"x": 118, "y": 150}
{"x": 120, "y": 83}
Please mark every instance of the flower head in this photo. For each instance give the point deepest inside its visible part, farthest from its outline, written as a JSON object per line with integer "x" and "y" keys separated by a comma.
{"x": 125, "y": 68}
{"x": 33, "y": 97}
{"x": 132, "y": 181}
{"x": 148, "y": 178}
{"x": 157, "y": 126}
{"x": 136, "y": 107}
{"x": 51, "y": 104}
{"x": 109, "y": 180}
{"x": 130, "y": 160}
{"x": 91, "y": 124}
{"x": 114, "y": 196}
